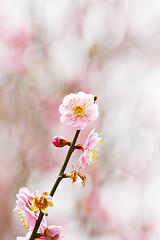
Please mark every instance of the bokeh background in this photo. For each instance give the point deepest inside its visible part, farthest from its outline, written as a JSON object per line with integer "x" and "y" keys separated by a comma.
{"x": 110, "y": 48}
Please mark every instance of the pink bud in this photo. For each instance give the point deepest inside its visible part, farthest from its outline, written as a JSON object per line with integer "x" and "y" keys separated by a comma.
{"x": 59, "y": 141}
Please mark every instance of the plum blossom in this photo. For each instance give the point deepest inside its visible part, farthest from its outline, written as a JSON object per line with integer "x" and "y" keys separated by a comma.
{"x": 78, "y": 110}
{"x": 89, "y": 148}
{"x": 51, "y": 232}
{"x": 26, "y": 210}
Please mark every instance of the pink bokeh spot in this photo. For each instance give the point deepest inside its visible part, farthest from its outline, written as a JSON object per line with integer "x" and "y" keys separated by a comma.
{"x": 18, "y": 41}
{"x": 78, "y": 110}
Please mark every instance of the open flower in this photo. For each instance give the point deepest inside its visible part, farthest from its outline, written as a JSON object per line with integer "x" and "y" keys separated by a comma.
{"x": 24, "y": 206}
{"x": 78, "y": 110}
{"x": 52, "y": 232}
{"x": 90, "y": 146}
{"x": 41, "y": 201}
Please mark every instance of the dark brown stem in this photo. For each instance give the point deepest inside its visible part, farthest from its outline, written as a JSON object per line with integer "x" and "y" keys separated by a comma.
{"x": 59, "y": 178}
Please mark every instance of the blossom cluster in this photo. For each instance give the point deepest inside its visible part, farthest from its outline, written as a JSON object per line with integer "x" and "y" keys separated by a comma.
{"x": 76, "y": 110}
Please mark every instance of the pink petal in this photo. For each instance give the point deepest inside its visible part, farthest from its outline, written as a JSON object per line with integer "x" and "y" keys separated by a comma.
{"x": 25, "y": 191}
{"x": 82, "y": 161}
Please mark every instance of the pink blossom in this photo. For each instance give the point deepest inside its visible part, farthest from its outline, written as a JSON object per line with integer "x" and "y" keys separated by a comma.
{"x": 59, "y": 141}
{"x": 51, "y": 232}
{"x": 24, "y": 208}
{"x": 78, "y": 110}
{"x": 89, "y": 148}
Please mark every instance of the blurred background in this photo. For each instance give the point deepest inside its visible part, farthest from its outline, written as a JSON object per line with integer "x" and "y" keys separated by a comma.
{"x": 110, "y": 48}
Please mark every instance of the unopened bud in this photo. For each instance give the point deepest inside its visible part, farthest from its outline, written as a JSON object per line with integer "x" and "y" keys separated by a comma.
{"x": 59, "y": 141}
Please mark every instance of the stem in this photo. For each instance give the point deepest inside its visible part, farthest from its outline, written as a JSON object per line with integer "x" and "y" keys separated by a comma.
{"x": 70, "y": 151}
{"x": 38, "y": 222}
{"x": 59, "y": 178}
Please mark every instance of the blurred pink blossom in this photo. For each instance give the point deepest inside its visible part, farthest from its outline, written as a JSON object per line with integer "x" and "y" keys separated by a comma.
{"x": 18, "y": 40}
{"x": 89, "y": 147}
{"x": 145, "y": 232}
{"x": 93, "y": 215}
{"x": 78, "y": 109}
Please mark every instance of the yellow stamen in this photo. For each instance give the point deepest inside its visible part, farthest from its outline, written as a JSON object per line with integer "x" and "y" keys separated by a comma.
{"x": 50, "y": 204}
{"x": 21, "y": 215}
{"x": 79, "y": 110}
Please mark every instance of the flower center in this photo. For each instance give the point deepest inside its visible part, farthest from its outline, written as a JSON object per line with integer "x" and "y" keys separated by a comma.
{"x": 41, "y": 203}
{"x": 79, "y": 110}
